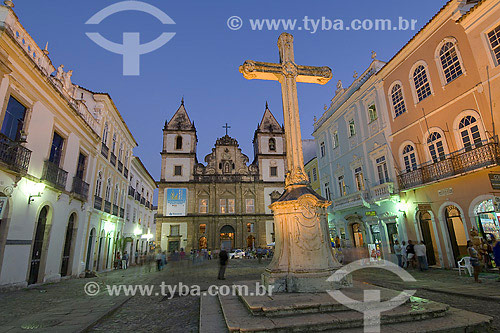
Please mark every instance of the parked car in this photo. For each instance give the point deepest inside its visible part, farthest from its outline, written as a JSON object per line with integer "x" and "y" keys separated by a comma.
{"x": 236, "y": 254}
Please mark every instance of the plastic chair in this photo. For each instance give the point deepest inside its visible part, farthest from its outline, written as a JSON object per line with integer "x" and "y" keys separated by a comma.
{"x": 464, "y": 264}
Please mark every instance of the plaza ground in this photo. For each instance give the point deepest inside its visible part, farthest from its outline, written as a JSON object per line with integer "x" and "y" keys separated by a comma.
{"x": 64, "y": 307}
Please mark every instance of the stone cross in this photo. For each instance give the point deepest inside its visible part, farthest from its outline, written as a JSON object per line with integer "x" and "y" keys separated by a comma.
{"x": 227, "y": 127}
{"x": 288, "y": 73}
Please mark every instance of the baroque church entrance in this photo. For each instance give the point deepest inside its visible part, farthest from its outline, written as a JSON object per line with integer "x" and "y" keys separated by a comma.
{"x": 227, "y": 237}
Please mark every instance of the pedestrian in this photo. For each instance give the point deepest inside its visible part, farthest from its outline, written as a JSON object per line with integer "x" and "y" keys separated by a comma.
{"x": 158, "y": 261}
{"x": 136, "y": 257}
{"x": 259, "y": 254}
{"x": 163, "y": 259}
{"x": 125, "y": 260}
{"x": 410, "y": 252}
{"x": 397, "y": 251}
{"x": 496, "y": 253}
{"x": 474, "y": 260}
{"x": 118, "y": 260}
{"x": 404, "y": 257}
{"x": 421, "y": 254}
{"x": 223, "y": 258}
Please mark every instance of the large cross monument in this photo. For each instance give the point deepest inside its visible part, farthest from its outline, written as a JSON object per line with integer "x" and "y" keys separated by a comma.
{"x": 303, "y": 258}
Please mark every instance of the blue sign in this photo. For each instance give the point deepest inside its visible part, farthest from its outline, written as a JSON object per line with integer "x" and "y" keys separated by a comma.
{"x": 176, "y": 199}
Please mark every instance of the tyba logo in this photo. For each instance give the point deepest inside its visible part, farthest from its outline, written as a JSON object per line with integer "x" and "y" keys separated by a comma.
{"x": 131, "y": 49}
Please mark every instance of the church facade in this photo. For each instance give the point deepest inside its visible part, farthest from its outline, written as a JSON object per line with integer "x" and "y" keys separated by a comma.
{"x": 222, "y": 203}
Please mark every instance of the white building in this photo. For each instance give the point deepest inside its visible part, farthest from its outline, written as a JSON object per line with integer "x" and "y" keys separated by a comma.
{"x": 139, "y": 228}
{"x": 355, "y": 165}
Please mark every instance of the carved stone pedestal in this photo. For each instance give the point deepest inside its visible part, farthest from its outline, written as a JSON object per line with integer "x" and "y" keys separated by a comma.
{"x": 303, "y": 260}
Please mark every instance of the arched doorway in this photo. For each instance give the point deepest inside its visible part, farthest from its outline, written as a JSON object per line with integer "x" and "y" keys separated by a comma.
{"x": 456, "y": 231}
{"x": 67, "y": 245}
{"x": 202, "y": 243}
{"x": 227, "y": 237}
{"x": 36, "y": 254}
{"x": 487, "y": 219}
{"x": 357, "y": 235}
{"x": 99, "y": 249}
{"x": 425, "y": 221}
{"x": 89, "y": 249}
{"x": 251, "y": 242}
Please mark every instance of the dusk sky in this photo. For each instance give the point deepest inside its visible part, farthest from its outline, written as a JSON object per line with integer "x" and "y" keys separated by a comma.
{"x": 201, "y": 61}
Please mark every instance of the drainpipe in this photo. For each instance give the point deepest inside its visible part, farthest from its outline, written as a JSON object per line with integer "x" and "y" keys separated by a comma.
{"x": 491, "y": 104}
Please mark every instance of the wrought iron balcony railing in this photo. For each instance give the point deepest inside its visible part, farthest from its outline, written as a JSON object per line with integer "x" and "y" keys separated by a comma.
{"x": 122, "y": 212}
{"x": 120, "y": 166}
{"x": 115, "y": 210}
{"x": 80, "y": 188}
{"x": 97, "y": 202}
{"x": 107, "y": 206}
{"x": 137, "y": 196}
{"x": 113, "y": 159}
{"x": 54, "y": 175}
{"x": 143, "y": 201}
{"x": 15, "y": 156}
{"x": 453, "y": 164}
{"x": 131, "y": 191}
{"x": 125, "y": 172}
{"x": 105, "y": 151}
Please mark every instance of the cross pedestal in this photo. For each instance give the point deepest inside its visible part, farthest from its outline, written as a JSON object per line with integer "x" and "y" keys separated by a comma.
{"x": 303, "y": 258}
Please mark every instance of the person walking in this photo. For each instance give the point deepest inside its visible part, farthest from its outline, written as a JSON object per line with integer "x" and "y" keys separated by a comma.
{"x": 410, "y": 251}
{"x": 397, "y": 251}
{"x": 421, "y": 254}
{"x": 404, "y": 257}
{"x": 223, "y": 258}
{"x": 163, "y": 259}
{"x": 496, "y": 253}
{"x": 125, "y": 260}
{"x": 136, "y": 257}
{"x": 474, "y": 260}
{"x": 118, "y": 260}
{"x": 158, "y": 261}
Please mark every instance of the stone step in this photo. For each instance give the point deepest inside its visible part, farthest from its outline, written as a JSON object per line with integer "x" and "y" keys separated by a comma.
{"x": 211, "y": 317}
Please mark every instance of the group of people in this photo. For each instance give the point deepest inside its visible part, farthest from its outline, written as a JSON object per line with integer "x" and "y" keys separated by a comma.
{"x": 484, "y": 255}
{"x": 121, "y": 260}
{"x": 411, "y": 255}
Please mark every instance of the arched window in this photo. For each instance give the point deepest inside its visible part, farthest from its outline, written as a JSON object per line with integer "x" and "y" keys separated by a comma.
{"x": 120, "y": 152}
{"x": 178, "y": 142}
{"x": 113, "y": 148}
{"x": 436, "y": 147}
{"x": 409, "y": 158}
{"x": 398, "y": 102}
{"x": 105, "y": 134}
{"x": 272, "y": 144}
{"x": 115, "y": 195}
{"x": 107, "y": 195}
{"x": 450, "y": 62}
{"x": 469, "y": 132}
{"x": 98, "y": 185}
{"x": 422, "y": 85}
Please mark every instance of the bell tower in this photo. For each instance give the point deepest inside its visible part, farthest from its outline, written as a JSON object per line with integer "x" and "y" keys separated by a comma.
{"x": 179, "y": 147}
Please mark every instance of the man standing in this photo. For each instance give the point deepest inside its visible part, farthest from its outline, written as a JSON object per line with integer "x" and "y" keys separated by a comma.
{"x": 223, "y": 258}
{"x": 397, "y": 252}
{"x": 421, "y": 253}
{"x": 410, "y": 252}
{"x": 125, "y": 260}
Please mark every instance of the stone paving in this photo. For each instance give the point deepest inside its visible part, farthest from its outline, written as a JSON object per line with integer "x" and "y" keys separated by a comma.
{"x": 64, "y": 307}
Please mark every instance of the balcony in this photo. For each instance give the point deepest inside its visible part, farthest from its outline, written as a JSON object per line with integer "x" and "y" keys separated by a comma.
{"x": 143, "y": 201}
{"x": 107, "y": 206}
{"x": 54, "y": 175}
{"x": 113, "y": 159}
{"x": 131, "y": 191}
{"x": 115, "y": 210}
{"x": 122, "y": 212}
{"x": 105, "y": 151}
{"x": 15, "y": 156}
{"x": 137, "y": 196}
{"x": 147, "y": 204}
{"x": 97, "y": 202}
{"x": 120, "y": 166}
{"x": 382, "y": 192}
{"x": 125, "y": 172}
{"x": 358, "y": 199}
{"x": 451, "y": 165}
{"x": 80, "y": 188}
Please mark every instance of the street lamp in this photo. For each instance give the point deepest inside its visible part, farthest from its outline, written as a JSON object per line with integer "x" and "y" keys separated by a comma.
{"x": 35, "y": 190}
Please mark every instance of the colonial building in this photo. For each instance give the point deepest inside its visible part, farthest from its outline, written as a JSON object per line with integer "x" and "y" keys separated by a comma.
{"x": 311, "y": 163}
{"x": 139, "y": 212}
{"x": 443, "y": 107}
{"x": 222, "y": 203}
{"x": 355, "y": 164}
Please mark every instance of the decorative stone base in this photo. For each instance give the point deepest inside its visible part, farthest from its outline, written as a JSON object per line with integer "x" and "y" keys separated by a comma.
{"x": 303, "y": 282}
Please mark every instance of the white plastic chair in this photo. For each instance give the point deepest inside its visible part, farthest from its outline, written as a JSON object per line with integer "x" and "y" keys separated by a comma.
{"x": 465, "y": 264}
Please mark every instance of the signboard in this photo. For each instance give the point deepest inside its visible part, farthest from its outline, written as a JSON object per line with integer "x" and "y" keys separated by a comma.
{"x": 445, "y": 192}
{"x": 176, "y": 199}
{"x": 495, "y": 180}
{"x": 371, "y": 213}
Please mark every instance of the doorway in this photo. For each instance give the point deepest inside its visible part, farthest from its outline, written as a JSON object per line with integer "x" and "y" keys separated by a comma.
{"x": 89, "y": 248}
{"x": 425, "y": 221}
{"x": 36, "y": 254}
{"x": 227, "y": 237}
{"x": 456, "y": 231}
{"x": 357, "y": 235}
{"x": 67, "y": 245}
{"x": 250, "y": 242}
{"x": 202, "y": 243}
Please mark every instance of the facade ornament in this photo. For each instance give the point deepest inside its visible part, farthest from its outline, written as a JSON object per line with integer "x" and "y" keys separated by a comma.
{"x": 9, "y": 3}
{"x": 374, "y": 55}
{"x": 46, "y": 49}
{"x": 355, "y": 75}
{"x": 60, "y": 73}
{"x": 339, "y": 85}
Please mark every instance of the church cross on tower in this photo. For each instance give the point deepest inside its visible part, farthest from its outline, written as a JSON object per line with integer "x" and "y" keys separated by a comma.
{"x": 288, "y": 73}
{"x": 227, "y": 127}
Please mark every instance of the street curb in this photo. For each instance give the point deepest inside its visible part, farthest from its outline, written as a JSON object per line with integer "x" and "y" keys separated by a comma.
{"x": 105, "y": 315}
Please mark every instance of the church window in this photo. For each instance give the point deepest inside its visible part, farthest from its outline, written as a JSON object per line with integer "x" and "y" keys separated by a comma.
{"x": 227, "y": 167}
{"x": 273, "y": 171}
{"x": 335, "y": 139}
{"x": 422, "y": 85}
{"x": 230, "y": 206}
{"x": 250, "y": 206}
{"x": 203, "y": 206}
{"x": 115, "y": 195}
{"x": 178, "y": 170}
{"x": 108, "y": 190}
{"x": 250, "y": 227}
{"x": 175, "y": 230}
{"x": 98, "y": 185}
{"x": 223, "y": 206}
{"x": 398, "y": 102}
{"x": 105, "y": 134}
{"x": 494, "y": 38}
{"x": 272, "y": 144}
{"x": 178, "y": 143}
{"x": 328, "y": 194}
{"x": 352, "y": 128}
{"x": 450, "y": 62}
{"x": 203, "y": 228}
{"x": 322, "y": 149}
{"x": 372, "y": 113}
{"x": 113, "y": 148}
